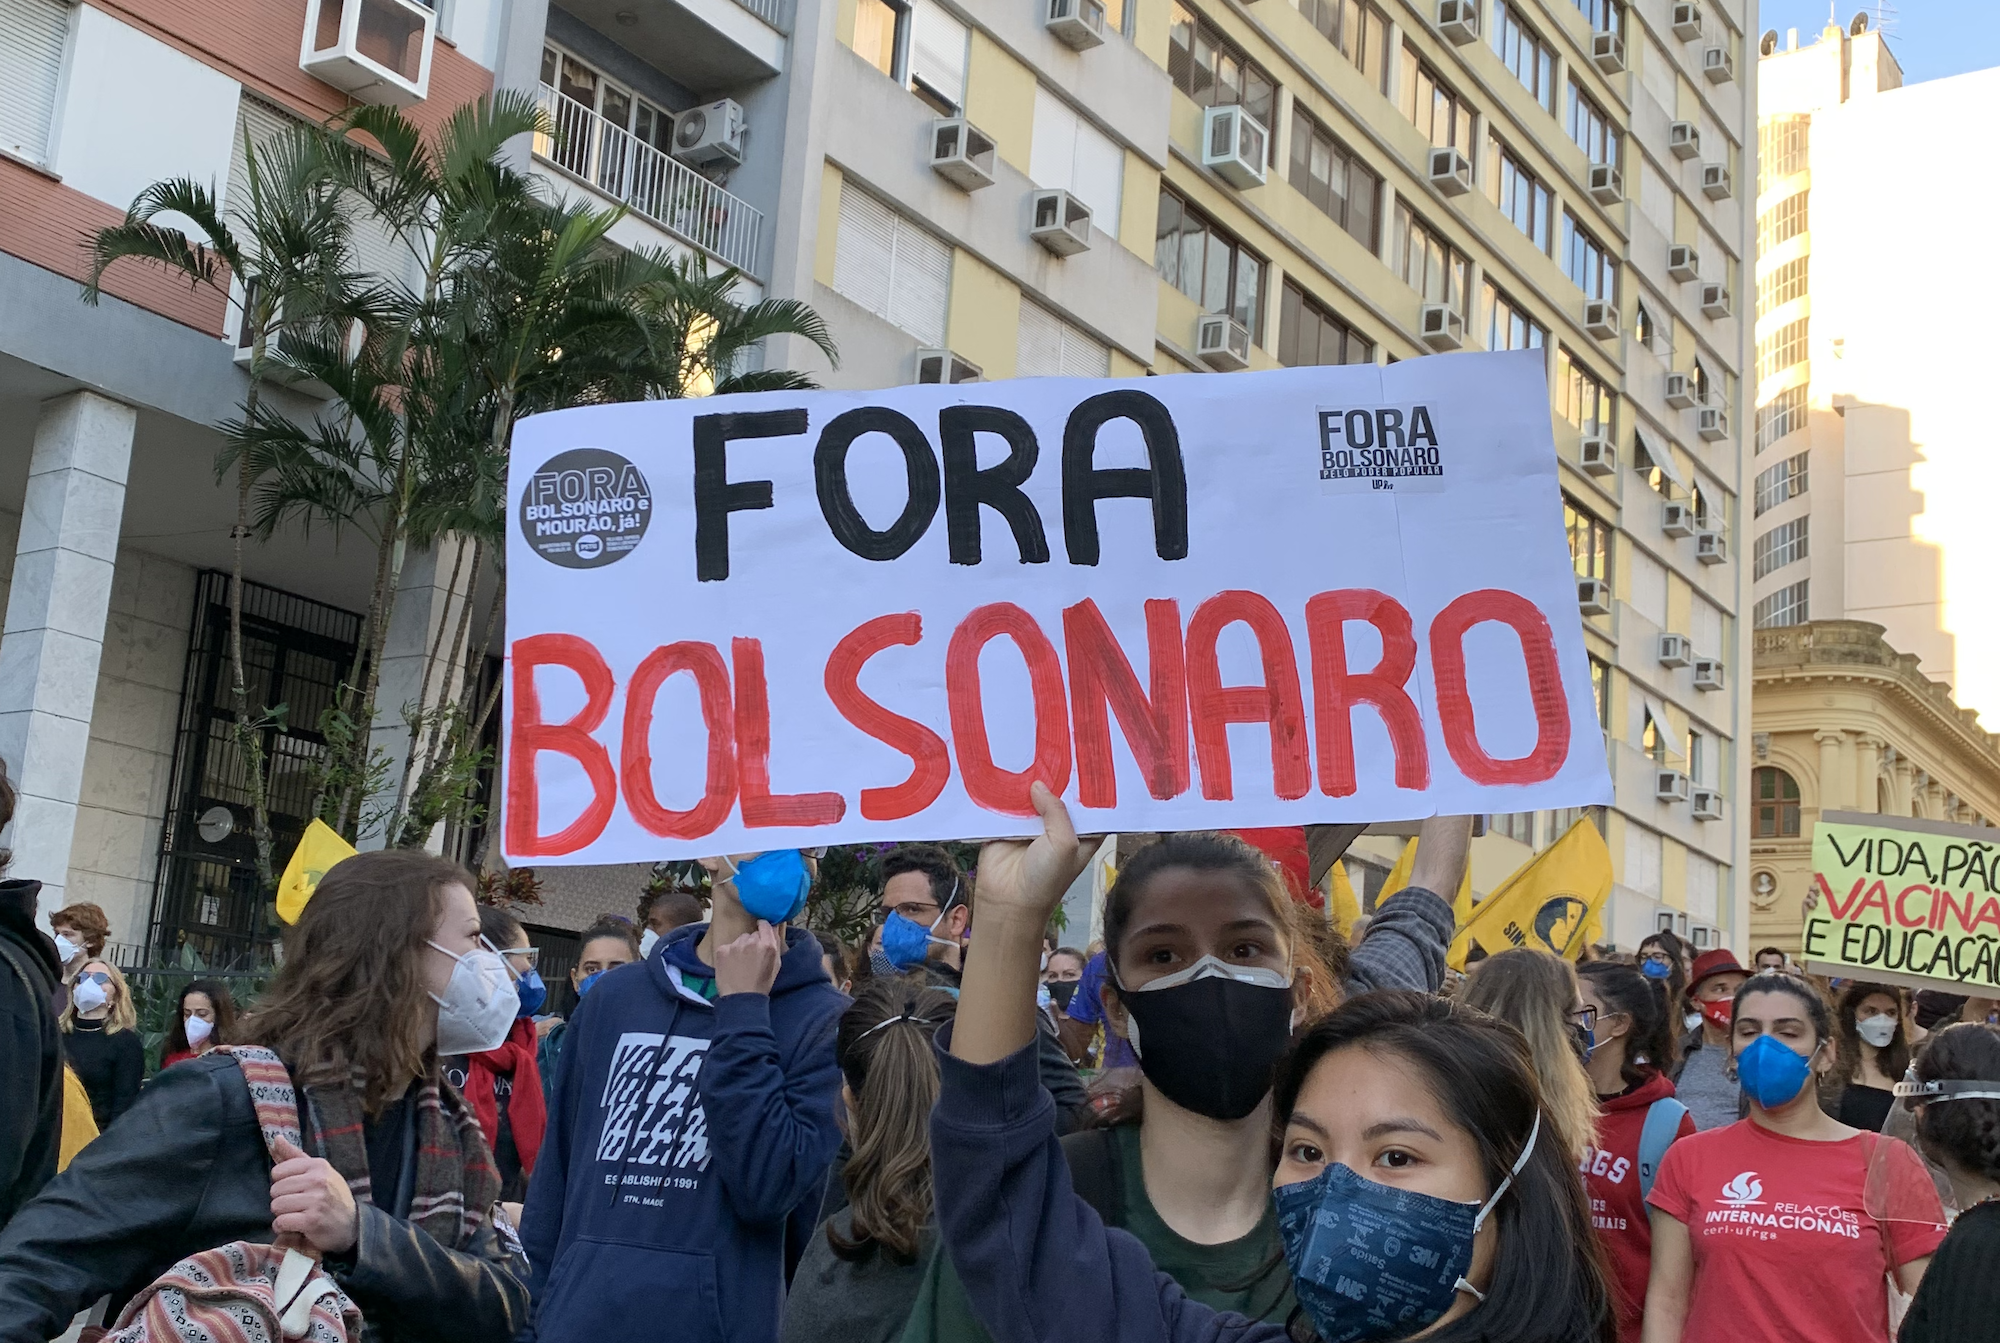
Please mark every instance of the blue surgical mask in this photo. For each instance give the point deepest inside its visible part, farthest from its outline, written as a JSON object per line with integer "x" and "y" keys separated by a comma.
{"x": 1772, "y": 1072}
{"x": 583, "y": 985}
{"x": 906, "y": 942}
{"x": 1374, "y": 1261}
{"x": 532, "y": 993}
{"x": 1656, "y": 967}
{"x": 773, "y": 885}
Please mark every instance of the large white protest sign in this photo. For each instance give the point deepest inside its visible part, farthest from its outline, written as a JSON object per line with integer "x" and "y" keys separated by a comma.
{"x": 1316, "y": 594}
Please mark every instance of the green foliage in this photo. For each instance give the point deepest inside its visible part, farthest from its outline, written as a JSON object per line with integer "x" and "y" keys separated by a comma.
{"x": 156, "y": 995}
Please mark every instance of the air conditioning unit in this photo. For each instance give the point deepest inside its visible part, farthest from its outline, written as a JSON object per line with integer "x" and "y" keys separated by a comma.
{"x": 1450, "y": 172}
{"x": 1598, "y": 457}
{"x": 379, "y": 51}
{"x": 1670, "y": 785}
{"x": 1707, "y": 804}
{"x": 1715, "y": 181}
{"x": 1715, "y": 299}
{"x": 1606, "y": 186}
{"x": 1593, "y": 596}
{"x": 1717, "y": 65}
{"x": 1711, "y": 547}
{"x": 961, "y": 153}
{"x": 1686, "y": 21}
{"x": 1681, "y": 391}
{"x": 1712, "y": 423}
{"x": 1600, "y": 318}
{"x": 1440, "y": 327}
{"x": 1607, "y": 52}
{"x": 1221, "y": 342}
{"x": 1059, "y": 222}
{"x": 1675, "y": 651}
{"x": 1676, "y": 518}
{"x": 1077, "y": 24}
{"x": 1683, "y": 262}
{"x": 942, "y": 366}
{"x": 1458, "y": 20}
{"x": 1236, "y": 145}
{"x": 1708, "y": 673}
{"x": 711, "y": 134}
{"x": 1684, "y": 139}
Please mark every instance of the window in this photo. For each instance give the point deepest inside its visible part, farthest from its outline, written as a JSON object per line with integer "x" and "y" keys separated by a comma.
{"x": 1781, "y": 349}
{"x": 1521, "y": 51}
{"x": 1581, "y": 398}
{"x": 1208, "y": 68}
{"x": 1355, "y": 27}
{"x": 1605, "y": 16}
{"x": 1782, "y": 222}
{"x": 1520, "y": 195}
{"x": 1433, "y": 108}
{"x": 1646, "y": 461}
{"x": 1120, "y": 16}
{"x": 1309, "y": 334}
{"x": 1589, "y": 541}
{"x": 1070, "y": 153}
{"x": 32, "y": 36}
{"x": 1335, "y": 180}
{"x": 1518, "y": 826}
{"x": 1208, "y": 265}
{"x": 1781, "y": 148}
{"x": 1653, "y": 739}
{"x": 1600, "y": 689}
{"x": 1643, "y": 329}
{"x": 1507, "y": 326}
{"x": 937, "y": 57}
{"x": 1426, "y": 262}
{"x": 1786, "y": 606}
{"x": 1779, "y": 547}
{"x": 1587, "y": 262}
{"x": 1591, "y": 128}
{"x": 1780, "y": 415}
{"x": 1776, "y": 484}
{"x": 1697, "y": 753}
{"x": 1776, "y": 796}
{"x": 891, "y": 267}
{"x": 1049, "y": 347}
{"x": 880, "y": 30}
{"x": 1782, "y": 285}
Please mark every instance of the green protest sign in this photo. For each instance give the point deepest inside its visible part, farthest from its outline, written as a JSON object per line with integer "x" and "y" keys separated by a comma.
{"x": 1905, "y": 902}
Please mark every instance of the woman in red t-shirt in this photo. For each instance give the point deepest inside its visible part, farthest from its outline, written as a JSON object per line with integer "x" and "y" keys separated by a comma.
{"x": 1762, "y": 1230}
{"x": 1633, "y": 1041}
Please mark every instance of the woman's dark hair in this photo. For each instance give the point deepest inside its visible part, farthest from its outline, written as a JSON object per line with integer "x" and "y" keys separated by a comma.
{"x": 499, "y": 927}
{"x": 1675, "y": 984}
{"x": 1652, "y": 1045}
{"x": 1549, "y": 1279}
{"x": 1818, "y": 1011}
{"x": 1895, "y": 1056}
{"x": 1199, "y": 851}
{"x": 219, "y": 1000}
{"x": 884, "y": 1050}
{"x": 616, "y": 929}
{"x": 1965, "y": 1132}
{"x": 7, "y": 798}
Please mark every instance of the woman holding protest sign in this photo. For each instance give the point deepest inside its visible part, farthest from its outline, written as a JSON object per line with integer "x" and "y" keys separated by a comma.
{"x": 1871, "y": 1058}
{"x": 1784, "y": 1225}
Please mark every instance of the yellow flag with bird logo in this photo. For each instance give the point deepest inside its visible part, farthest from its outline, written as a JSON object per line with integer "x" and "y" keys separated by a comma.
{"x": 319, "y": 849}
{"x": 1552, "y": 901}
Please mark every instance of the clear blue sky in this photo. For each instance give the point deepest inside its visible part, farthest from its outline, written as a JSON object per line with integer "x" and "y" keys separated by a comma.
{"x": 1931, "y": 38}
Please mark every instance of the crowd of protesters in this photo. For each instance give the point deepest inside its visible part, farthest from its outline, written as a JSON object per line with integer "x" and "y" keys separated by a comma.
{"x": 1220, "y": 1119}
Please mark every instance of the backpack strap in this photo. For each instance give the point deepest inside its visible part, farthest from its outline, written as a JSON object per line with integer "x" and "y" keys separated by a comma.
{"x": 271, "y": 1093}
{"x": 1663, "y": 1125}
{"x": 1097, "y": 1172}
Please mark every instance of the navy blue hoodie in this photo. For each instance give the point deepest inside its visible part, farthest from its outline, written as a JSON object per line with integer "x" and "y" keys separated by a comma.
{"x": 683, "y": 1135}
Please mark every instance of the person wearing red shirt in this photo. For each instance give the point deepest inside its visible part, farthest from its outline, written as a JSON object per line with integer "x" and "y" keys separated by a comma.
{"x": 1638, "y": 1117}
{"x": 1762, "y": 1231}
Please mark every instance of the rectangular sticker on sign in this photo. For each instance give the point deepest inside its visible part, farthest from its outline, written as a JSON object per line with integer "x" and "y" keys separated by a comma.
{"x": 802, "y": 618}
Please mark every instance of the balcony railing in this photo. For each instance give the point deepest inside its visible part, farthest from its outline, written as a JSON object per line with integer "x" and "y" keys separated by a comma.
{"x": 777, "y": 13}
{"x": 661, "y": 188}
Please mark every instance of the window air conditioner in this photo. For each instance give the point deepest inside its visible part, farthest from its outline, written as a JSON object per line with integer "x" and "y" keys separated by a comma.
{"x": 1593, "y": 596}
{"x": 1712, "y": 423}
{"x": 1078, "y": 24}
{"x": 1687, "y": 20}
{"x": 1441, "y": 327}
{"x": 1707, "y": 804}
{"x": 1676, "y": 518}
{"x": 1450, "y": 172}
{"x": 1684, "y": 139}
{"x": 710, "y": 134}
{"x": 1600, "y": 318}
{"x": 1607, "y": 52}
{"x": 1711, "y": 547}
{"x": 1670, "y": 785}
{"x": 1458, "y": 21}
{"x": 1675, "y": 650}
{"x": 1236, "y": 145}
{"x": 379, "y": 51}
{"x": 1680, "y": 391}
{"x": 1683, "y": 262}
{"x": 1717, "y": 65}
{"x": 1715, "y": 181}
{"x": 942, "y": 366}
{"x": 1715, "y": 299}
{"x": 1222, "y": 342}
{"x": 1708, "y": 673}
{"x": 1598, "y": 457}
{"x": 1606, "y": 186}
{"x": 961, "y": 153}
{"x": 1059, "y": 222}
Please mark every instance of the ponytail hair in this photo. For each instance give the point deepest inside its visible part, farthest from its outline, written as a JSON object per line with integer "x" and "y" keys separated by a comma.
{"x": 884, "y": 1050}
{"x": 1651, "y": 1044}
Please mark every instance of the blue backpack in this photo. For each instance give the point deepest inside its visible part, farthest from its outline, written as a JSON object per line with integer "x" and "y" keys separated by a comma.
{"x": 1663, "y": 1124}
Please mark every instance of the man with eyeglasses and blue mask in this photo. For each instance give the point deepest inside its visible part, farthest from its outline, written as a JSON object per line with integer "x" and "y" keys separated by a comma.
{"x": 692, "y": 1124}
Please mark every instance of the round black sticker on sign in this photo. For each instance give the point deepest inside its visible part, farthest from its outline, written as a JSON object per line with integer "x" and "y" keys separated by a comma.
{"x": 585, "y": 508}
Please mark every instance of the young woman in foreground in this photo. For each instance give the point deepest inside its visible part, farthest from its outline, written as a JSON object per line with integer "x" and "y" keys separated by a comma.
{"x": 1405, "y": 1118}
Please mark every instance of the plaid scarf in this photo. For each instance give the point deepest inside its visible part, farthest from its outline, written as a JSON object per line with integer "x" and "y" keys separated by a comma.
{"x": 457, "y": 1181}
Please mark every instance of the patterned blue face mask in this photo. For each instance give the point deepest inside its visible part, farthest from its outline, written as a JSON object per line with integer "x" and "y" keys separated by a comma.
{"x": 773, "y": 885}
{"x": 1372, "y": 1261}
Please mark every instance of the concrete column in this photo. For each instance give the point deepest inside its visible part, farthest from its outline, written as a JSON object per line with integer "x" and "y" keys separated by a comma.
{"x": 1281, "y": 134}
{"x": 1475, "y": 330}
{"x": 1386, "y": 222}
{"x": 1867, "y": 769}
{"x": 1832, "y": 797}
{"x": 54, "y": 633}
{"x": 1934, "y": 801}
{"x": 426, "y": 602}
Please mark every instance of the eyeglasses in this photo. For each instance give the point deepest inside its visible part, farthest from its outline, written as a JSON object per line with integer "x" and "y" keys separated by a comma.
{"x": 98, "y": 977}
{"x": 530, "y": 957}
{"x": 1585, "y": 1017}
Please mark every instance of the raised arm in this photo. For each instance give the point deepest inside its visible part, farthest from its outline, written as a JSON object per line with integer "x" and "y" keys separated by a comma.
{"x": 1407, "y": 939}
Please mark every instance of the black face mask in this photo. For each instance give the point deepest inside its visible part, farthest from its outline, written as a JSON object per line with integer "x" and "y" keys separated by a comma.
{"x": 1062, "y": 990}
{"x": 1209, "y": 1041}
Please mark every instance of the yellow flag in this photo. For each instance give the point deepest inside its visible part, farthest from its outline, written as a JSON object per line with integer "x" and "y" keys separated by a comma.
{"x": 1551, "y": 901}
{"x": 319, "y": 849}
{"x": 1461, "y": 904}
{"x": 1342, "y": 908}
